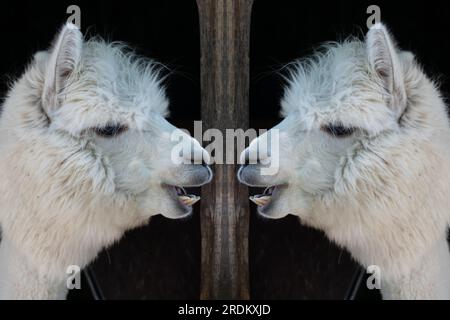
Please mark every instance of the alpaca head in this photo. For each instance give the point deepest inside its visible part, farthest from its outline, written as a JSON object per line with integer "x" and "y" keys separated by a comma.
{"x": 347, "y": 95}
{"x": 111, "y": 104}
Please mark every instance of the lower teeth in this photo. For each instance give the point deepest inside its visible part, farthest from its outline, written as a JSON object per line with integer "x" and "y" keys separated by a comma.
{"x": 189, "y": 199}
{"x": 261, "y": 200}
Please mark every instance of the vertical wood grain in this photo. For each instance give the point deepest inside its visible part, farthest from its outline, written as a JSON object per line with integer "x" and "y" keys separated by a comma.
{"x": 225, "y": 38}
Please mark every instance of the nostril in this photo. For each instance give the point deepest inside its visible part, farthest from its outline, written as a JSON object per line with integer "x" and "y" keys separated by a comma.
{"x": 263, "y": 158}
{"x": 264, "y": 161}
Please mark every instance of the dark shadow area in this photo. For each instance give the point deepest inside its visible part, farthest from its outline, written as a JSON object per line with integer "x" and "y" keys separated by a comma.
{"x": 161, "y": 260}
{"x": 287, "y": 260}
{"x": 158, "y": 261}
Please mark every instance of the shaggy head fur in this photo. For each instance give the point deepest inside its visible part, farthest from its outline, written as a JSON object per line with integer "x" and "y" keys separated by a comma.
{"x": 363, "y": 154}
{"x": 86, "y": 153}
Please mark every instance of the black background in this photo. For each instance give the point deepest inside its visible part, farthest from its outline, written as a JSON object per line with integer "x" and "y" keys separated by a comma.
{"x": 165, "y": 30}
{"x": 162, "y": 260}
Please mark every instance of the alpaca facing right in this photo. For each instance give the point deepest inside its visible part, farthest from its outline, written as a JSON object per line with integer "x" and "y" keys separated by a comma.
{"x": 85, "y": 155}
{"x": 364, "y": 155}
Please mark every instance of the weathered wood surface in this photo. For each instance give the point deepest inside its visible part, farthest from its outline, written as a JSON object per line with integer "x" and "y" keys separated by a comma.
{"x": 225, "y": 39}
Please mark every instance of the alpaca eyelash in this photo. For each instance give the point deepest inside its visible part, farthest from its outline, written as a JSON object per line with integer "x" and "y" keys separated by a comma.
{"x": 338, "y": 130}
{"x": 110, "y": 130}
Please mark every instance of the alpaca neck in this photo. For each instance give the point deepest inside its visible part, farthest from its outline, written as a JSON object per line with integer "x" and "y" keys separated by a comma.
{"x": 20, "y": 280}
{"x": 429, "y": 279}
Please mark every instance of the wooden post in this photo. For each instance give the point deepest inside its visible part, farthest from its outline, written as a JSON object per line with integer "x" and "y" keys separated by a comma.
{"x": 224, "y": 37}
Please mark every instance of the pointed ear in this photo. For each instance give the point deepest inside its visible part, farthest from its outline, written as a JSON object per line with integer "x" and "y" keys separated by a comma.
{"x": 65, "y": 55}
{"x": 384, "y": 60}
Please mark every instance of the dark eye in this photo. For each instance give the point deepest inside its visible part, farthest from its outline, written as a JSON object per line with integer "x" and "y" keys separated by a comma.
{"x": 110, "y": 130}
{"x": 338, "y": 130}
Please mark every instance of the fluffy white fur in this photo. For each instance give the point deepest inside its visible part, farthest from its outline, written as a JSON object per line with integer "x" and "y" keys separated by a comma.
{"x": 65, "y": 191}
{"x": 381, "y": 192}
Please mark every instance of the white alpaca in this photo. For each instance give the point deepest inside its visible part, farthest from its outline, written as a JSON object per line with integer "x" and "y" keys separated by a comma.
{"x": 364, "y": 154}
{"x": 85, "y": 154}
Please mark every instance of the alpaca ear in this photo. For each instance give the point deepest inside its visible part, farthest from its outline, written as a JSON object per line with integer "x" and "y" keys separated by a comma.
{"x": 384, "y": 60}
{"x": 65, "y": 55}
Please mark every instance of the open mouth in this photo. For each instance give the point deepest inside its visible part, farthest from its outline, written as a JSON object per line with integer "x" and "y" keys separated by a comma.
{"x": 184, "y": 198}
{"x": 264, "y": 199}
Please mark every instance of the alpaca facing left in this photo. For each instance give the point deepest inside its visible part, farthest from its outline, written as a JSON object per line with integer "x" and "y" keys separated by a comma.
{"x": 85, "y": 154}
